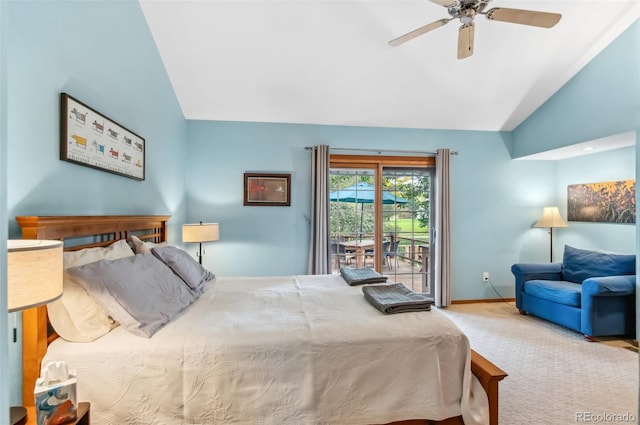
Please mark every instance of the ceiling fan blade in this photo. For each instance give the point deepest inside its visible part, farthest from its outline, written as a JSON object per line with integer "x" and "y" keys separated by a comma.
{"x": 445, "y": 3}
{"x": 465, "y": 40}
{"x": 523, "y": 17}
{"x": 422, "y": 30}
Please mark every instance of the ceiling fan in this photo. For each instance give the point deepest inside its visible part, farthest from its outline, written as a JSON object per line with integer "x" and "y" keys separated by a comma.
{"x": 466, "y": 10}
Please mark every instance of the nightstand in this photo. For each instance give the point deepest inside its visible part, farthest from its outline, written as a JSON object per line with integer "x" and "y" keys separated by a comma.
{"x": 83, "y": 415}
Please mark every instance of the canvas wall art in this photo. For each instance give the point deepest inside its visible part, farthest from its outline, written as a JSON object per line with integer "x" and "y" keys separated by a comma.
{"x": 606, "y": 202}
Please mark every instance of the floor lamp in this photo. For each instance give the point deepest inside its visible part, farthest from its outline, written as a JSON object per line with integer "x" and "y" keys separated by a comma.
{"x": 34, "y": 278}
{"x": 551, "y": 218}
{"x": 198, "y": 233}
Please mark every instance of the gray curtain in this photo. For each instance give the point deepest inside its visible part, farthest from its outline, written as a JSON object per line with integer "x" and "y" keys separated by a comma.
{"x": 319, "y": 255}
{"x": 443, "y": 231}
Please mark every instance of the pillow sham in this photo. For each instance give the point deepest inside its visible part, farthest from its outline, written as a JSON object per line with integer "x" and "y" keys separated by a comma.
{"x": 185, "y": 266}
{"x": 142, "y": 247}
{"x": 140, "y": 292}
{"x": 76, "y": 316}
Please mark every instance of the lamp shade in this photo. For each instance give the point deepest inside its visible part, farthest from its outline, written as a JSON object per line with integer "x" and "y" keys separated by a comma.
{"x": 551, "y": 218}
{"x": 34, "y": 272}
{"x": 203, "y": 232}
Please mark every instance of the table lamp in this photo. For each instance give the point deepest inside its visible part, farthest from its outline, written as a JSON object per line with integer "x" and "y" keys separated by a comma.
{"x": 198, "y": 233}
{"x": 34, "y": 278}
{"x": 551, "y": 218}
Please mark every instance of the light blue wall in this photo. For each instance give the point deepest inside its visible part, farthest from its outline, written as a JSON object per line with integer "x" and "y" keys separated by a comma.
{"x": 603, "y": 99}
{"x": 102, "y": 53}
{"x": 492, "y": 197}
{"x": 614, "y": 165}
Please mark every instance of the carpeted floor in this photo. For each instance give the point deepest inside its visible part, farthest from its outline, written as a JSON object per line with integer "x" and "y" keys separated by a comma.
{"x": 555, "y": 376}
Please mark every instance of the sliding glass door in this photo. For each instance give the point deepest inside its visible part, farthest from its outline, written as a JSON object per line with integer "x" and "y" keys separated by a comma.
{"x": 380, "y": 217}
{"x": 407, "y": 227}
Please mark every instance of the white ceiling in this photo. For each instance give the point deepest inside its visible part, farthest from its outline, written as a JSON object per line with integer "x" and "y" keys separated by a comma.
{"x": 328, "y": 62}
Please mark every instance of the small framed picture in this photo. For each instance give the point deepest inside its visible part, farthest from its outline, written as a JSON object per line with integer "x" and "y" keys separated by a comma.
{"x": 267, "y": 189}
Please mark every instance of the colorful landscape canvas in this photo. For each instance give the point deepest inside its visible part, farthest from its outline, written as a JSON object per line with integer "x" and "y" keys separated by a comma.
{"x": 607, "y": 202}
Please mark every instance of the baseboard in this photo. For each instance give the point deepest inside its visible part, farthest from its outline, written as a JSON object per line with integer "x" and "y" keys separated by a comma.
{"x": 487, "y": 300}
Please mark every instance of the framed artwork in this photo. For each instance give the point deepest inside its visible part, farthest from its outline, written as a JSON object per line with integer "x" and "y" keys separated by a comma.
{"x": 91, "y": 139}
{"x": 262, "y": 189}
{"x": 606, "y": 202}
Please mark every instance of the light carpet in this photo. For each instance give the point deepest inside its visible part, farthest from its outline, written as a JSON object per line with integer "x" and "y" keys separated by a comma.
{"x": 555, "y": 376}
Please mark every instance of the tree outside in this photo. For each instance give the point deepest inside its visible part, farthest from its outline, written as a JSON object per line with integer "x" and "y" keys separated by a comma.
{"x": 349, "y": 219}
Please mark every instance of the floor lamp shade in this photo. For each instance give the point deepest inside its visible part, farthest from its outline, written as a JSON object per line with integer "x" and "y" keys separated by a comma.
{"x": 203, "y": 232}
{"x": 551, "y": 218}
{"x": 34, "y": 273}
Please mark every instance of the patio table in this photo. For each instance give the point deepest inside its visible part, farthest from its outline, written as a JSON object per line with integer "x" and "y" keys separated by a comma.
{"x": 359, "y": 246}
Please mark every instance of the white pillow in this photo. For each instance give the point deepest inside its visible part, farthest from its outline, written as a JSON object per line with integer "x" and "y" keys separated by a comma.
{"x": 142, "y": 247}
{"x": 76, "y": 316}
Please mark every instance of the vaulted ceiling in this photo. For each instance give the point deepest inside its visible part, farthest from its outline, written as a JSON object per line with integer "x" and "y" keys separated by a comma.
{"x": 328, "y": 62}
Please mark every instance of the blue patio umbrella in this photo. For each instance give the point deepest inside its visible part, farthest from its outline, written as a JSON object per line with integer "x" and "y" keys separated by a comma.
{"x": 364, "y": 193}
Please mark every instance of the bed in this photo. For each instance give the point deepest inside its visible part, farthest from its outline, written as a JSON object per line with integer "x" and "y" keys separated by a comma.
{"x": 266, "y": 350}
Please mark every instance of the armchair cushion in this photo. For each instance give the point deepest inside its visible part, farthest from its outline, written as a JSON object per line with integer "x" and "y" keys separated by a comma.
{"x": 581, "y": 264}
{"x": 558, "y": 291}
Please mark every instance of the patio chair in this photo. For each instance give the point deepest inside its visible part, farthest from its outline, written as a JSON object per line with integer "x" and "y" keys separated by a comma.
{"x": 370, "y": 253}
{"x": 338, "y": 253}
{"x": 392, "y": 252}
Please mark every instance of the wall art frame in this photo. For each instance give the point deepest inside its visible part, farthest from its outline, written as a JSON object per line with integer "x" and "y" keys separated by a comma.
{"x": 90, "y": 138}
{"x": 267, "y": 189}
{"x": 604, "y": 202}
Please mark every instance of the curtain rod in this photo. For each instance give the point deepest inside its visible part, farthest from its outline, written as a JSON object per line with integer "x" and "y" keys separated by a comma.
{"x": 381, "y": 151}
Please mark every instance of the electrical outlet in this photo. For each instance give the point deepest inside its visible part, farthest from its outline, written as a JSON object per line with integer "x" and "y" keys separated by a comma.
{"x": 485, "y": 276}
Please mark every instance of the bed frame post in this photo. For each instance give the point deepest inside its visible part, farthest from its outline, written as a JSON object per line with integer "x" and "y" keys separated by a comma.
{"x": 489, "y": 376}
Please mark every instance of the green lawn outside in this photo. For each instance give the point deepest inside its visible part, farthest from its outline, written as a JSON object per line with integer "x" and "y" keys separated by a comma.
{"x": 404, "y": 225}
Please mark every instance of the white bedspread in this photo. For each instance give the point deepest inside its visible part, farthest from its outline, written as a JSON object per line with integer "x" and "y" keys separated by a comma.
{"x": 279, "y": 350}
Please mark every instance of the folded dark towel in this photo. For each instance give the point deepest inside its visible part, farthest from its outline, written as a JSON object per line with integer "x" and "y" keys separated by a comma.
{"x": 361, "y": 276}
{"x": 396, "y": 298}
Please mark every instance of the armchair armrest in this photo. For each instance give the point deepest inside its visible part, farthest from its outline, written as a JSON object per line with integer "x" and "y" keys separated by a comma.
{"x": 549, "y": 270}
{"x": 609, "y": 286}
{"x": 530, "y": 271}
{"x": 608, "y": 305}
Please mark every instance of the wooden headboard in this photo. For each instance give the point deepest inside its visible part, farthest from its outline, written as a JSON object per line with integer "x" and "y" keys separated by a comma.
{"x": 77, "y": 232}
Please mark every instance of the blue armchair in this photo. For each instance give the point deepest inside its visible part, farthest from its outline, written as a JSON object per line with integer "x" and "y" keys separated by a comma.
{"x": 590, "y": 292}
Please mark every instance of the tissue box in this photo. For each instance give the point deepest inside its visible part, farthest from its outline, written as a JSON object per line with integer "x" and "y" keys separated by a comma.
{"x": 56, "y": 402}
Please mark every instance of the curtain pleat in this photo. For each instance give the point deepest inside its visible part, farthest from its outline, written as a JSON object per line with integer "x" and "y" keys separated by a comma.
{"x": 443, "y": 231}
{"x": 319, "y": 255}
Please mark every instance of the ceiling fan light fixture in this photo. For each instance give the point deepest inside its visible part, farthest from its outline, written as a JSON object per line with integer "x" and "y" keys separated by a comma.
{"x": 467, "y": 16}
{"x": 466, "y": 10}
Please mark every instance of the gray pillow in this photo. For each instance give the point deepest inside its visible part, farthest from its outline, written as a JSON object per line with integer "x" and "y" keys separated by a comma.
{"x": 140, "y": 292}
{"x": 185, "y": 266}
